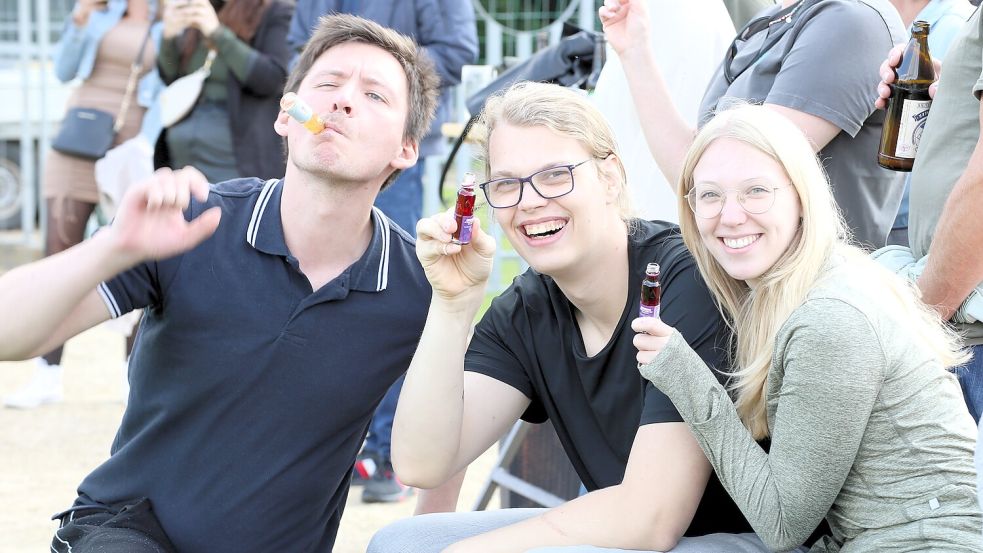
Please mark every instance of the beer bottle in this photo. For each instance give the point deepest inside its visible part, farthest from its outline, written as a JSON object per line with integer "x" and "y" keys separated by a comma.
{"x": 907, "y": 109}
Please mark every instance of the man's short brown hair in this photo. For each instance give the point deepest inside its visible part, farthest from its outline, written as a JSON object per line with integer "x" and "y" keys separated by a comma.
{"x": 421, "y": 76}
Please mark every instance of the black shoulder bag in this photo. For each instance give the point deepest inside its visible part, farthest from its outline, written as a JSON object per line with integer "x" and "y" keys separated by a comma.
{"x": 88, "y": 133}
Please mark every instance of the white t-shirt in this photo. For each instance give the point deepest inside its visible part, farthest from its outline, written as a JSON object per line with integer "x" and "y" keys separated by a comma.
{"x": 689, "y": 40}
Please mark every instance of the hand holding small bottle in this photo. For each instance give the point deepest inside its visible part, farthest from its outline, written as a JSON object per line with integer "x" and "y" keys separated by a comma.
{"x": 455, "y": 271}
{"x": 651, "y": 338}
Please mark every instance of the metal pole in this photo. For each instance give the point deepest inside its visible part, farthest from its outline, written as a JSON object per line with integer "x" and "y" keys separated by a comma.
{"x": 523, "y": 45}
{"x": 44, "y": 58}
{"x": 28, "y": 201}
{"x": 587, "y": 16}
{"x": 494, "y": 50}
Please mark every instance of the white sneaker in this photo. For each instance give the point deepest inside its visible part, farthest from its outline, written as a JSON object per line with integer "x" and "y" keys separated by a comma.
{"x": 45, "y": 386}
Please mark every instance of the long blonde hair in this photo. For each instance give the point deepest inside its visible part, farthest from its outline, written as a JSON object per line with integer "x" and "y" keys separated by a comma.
{"x": 529, "y": 104}
{"x": 755, "y": 316}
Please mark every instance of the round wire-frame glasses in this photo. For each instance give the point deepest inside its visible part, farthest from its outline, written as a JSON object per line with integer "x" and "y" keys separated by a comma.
{"x": 707, "y": 200}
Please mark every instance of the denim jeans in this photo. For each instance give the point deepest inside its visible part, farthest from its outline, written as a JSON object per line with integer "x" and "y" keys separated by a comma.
{"x": 970, "y": 378}
{"x": 380, "y": 438}
{"x": 433, "y": 532}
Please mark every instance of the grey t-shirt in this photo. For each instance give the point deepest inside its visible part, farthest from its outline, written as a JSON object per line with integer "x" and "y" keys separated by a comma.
{"x": 950, "y": 136}
{"x": 823, "y": 61}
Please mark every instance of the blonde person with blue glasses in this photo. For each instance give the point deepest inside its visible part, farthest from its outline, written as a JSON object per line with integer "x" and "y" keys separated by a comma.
{"x": 100, "y": 42}
{"x": 834, "y": 359}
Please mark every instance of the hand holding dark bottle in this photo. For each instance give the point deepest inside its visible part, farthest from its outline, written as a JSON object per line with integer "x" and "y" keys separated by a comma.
{"x": 888, "y": 76}
{"x": 908, "y": 107}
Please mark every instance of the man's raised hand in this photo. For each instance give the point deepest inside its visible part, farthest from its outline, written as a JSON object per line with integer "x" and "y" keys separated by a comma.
{"x": 150, "y": 222}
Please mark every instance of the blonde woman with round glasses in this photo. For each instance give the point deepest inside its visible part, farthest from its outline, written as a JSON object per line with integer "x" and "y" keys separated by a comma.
{"x": 557, "y": 346}
{"x": 834, "y": 359}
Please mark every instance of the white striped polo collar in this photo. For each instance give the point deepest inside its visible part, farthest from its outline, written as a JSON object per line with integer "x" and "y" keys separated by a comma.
{"x": 265, "y": 233}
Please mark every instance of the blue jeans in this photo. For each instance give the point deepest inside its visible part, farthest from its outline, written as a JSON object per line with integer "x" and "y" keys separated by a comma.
{"x": 433, "y": 532}
{"x": 970, "y": 378}
{"x": 380, "y": 436}
{"x": 403, "y": 203}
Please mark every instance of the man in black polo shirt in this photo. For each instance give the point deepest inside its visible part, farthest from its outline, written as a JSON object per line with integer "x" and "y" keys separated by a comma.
{"x": 277, "y": 315}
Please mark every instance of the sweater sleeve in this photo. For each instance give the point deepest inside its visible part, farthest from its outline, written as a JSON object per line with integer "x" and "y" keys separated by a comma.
{"x": 168, "y": 60}
{"x": 68, "y": 53}
{"x": 825, "y": 377}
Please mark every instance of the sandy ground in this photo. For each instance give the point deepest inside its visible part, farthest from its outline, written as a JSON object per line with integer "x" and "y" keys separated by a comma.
{"x": 45, "y": 452}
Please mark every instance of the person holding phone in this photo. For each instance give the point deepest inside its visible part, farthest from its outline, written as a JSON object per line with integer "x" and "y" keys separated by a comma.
{"x": 227, "y": 133}
{"x": 99, "y": 43}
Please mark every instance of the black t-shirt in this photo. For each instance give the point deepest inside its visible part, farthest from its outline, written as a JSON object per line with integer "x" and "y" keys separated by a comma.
{"x": 530, "y": 340}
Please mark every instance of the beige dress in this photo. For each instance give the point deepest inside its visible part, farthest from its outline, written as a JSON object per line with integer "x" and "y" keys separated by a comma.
{"x": 74, "y": 178}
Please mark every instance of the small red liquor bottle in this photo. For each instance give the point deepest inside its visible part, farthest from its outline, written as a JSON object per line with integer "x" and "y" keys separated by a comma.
{"x": 464, "y": 210}
{"x": 648, "y": 305}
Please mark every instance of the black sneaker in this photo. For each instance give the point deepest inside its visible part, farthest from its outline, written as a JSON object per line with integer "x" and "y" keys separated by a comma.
{"x": 365, "y": 467}
{"x": 384, "y": 487}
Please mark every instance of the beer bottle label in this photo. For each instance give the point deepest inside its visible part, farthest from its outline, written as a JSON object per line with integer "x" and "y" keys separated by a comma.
{"x": 913, "y": 116}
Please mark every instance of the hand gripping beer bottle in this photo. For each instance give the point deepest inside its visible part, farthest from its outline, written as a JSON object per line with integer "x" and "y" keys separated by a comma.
{"x": 907, "y": 109}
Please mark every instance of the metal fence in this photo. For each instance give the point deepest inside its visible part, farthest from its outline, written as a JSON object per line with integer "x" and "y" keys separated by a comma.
{"x": 28, "y": 29}
{"x": 32, "y": 100}
{"x": 517, "y": 28}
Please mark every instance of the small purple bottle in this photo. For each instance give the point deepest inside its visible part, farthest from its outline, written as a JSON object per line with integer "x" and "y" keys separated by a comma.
{"x": 648, "y": 305}
{"x": 464, "y": 210}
